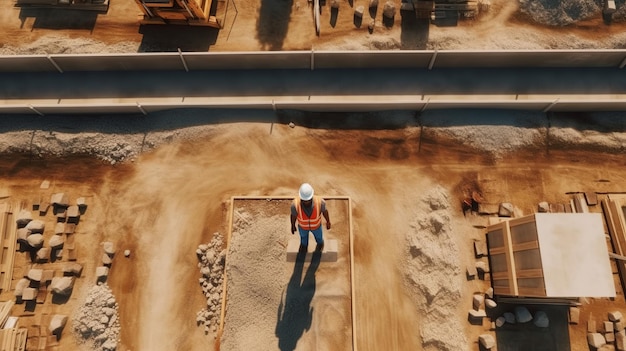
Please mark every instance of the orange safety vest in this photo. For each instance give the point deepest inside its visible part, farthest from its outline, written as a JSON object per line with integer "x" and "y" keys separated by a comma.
{"x": 309, "y": 222}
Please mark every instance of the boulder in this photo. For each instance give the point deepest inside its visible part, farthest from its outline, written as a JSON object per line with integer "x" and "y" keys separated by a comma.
{"x": 509, "y": 317}
{"x": 56, "y": 242}
{"x": 59, "y": 228}
{"x": 35, "y": 274}
{"x": 20, "y": 286}
{"x": 22, "y": 234}
{"x": 102, "y": 272}
{"x": 615, "y": 316}
{"x": 73, "y": 214}
{"x": 29, "y": 294}
{"x": 595, "y": 340}
{"x": 57, "y": 323}
{"x": 62, "y": 285}
{"x": 106, "y": 260}
{"x": 541, "y": 320}
{"x": 389, "y": 10}
{"x": 491, "y": 304}
{"x": 609, "y": 337}
{"x": 109, "y": 248}
{"x": 35, "y": 240}
{"x": 23, "y": 218}
{"x": 59, "y": 199}
{"x": 42, "y": 255}
{"x": 543, "y": 207}
{"x": 36, "y": 226}
{"x": 487, "y": 341}
{"x": 522, "y": 314}
{"x": 72, "y": 269}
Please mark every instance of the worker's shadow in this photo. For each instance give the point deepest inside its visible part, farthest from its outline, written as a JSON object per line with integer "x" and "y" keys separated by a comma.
{"x": 295, "y": 313}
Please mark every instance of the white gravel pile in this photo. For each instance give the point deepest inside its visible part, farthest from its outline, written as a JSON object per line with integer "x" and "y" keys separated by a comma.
{"x": 433, "y": 269}
{"x": 66, "y": 45}
{"x": 559, "y": 12}
{"x": 96, "y": 322}
{"x": 211, "y": 259}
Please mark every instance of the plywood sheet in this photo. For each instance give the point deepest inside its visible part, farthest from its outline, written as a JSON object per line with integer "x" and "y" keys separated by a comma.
{"x": 574, "y": 255}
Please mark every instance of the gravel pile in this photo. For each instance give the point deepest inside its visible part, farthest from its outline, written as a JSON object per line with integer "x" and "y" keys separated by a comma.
{"x": 211, "y": 259}
{"x": 559, "y": 12}
{"x": 433, "y": 270}
{"x": 96, "y": 322}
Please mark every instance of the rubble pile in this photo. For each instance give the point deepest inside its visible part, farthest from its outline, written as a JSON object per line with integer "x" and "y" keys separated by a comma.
{"x": 559, "y": 13}
{"x": 97, "y": 320}
{"x": 211, "y": 259}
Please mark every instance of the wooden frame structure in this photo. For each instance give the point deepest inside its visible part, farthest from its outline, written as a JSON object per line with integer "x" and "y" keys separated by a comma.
{"x": 8, "y": 230}
{"x": 614, "y": 209}
{"x": 550, "y": 255}
{"x": 351, "y": 248}
{"x": 188, "y": 12}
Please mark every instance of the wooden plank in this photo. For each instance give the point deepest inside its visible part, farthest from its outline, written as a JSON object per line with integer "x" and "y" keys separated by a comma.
{"x": 529, "y": 245}
{"x": 530, "y": 273}
{"x": 20, "y": 344}
{"x": 532, "y": 292}
{"x": 9, "y": 259}
{"x": 616, "y": 234}
{"x": 510, "y": 259}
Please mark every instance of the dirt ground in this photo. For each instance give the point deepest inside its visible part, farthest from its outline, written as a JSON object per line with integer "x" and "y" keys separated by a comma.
{"x": 166, "y": 202}
{"x": 289, "y": 25}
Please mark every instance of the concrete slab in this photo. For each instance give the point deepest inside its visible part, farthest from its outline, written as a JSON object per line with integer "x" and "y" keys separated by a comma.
{"x": 329, "y": 254}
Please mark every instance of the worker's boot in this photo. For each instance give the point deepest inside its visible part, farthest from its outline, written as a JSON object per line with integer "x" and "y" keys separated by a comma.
{"x": 319, "y": 247}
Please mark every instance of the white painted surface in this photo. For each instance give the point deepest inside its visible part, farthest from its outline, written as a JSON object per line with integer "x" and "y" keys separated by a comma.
{"x": 574, "y": 255}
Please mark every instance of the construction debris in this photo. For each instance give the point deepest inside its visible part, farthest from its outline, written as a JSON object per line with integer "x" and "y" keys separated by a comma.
{"x": 89, "y": 323}
{"x": 211, "y": 259}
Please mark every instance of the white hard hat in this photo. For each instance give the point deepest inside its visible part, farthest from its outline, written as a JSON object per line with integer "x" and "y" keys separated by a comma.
{"x": 306, "y": 192}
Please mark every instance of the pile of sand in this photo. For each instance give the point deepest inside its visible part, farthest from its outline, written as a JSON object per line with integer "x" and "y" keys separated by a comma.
{"x": 433, "y": 272}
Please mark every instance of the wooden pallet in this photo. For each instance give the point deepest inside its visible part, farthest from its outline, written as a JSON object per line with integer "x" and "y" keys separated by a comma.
{"x": 13, "y": 339}
{"x": 8, "y": 230}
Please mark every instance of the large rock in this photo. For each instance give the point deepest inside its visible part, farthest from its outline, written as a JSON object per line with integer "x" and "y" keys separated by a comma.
{"x": 57, "y": 323}
{"x": 36, "y": 226}
{"x": 102, "y": 273}
{"x": 615, "y": 316}
{"x": 358, "y": 12}
{"x": 20, "y": 286}
{"x": 59, "y": 199}
{"x": 35, "y": 240}
{"x": 389, "y": 10}
{"x": 22, "y": 235}
{"x": 72, "y": 269}
{"x": 59, "y": 228}
{"x": 522, "y": 314}
{"x": 543, "y": 207}
{"x": 595, "y": 340}
{"x": 42, "y": 255}
{"x": 73, "y": 214}
{"x": 62, "y": 285}
{"x": 109, "y": 248}
{"x": 35, "y": 274}
{"x": 541, "y": 320}
{"x": 56, "y": 242}
{"x": 487, "y": 341}
{"x": 23, "y": 218}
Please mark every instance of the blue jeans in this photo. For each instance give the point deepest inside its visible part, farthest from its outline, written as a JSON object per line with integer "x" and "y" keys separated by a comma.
{"x": 304, "y": 236}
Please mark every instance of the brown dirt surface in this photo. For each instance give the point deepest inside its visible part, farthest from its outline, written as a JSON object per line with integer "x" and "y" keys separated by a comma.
{"x": 289, "y": 25}
{"x": 170, "y": 200}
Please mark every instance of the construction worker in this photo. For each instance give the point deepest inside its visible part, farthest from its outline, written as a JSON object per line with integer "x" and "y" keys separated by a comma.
{"x": 308, "y": 210}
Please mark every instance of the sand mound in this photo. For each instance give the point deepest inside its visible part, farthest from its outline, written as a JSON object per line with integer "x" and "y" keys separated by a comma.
{"x": 433, "y": 271}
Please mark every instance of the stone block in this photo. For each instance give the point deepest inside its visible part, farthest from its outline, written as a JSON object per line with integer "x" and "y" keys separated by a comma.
{"x": 329, "y": 253}
{"x": 43, "y": 254}
{"x": 615, "y": 316}
{"x": 471, "y": 272}
{"x": 591, "y": 326}
{"x": 35, "y": 274}
{"x": 480, "y": 248}
{"x": 70, "y": 228}
{"x": 59, "y": 228}
{"x": 620, "y": 340}
{"x": 59, "y": 199}
{"x": 487, "y": 341}
{"x": 102, "y": 272}
{"x": 619, "y": 326}
{"x": 595, "y": 340}
{"x": 609, "y": 337}
{"x": 505, "y": 210}
{"x": 47, "y": 275}
{"x": 73, "y": 214}
{"x": 607, "y": 327}
{"x": 478, "y": 301}
{"x": 29, "y": 294}
{"x": 543, "y": 207}
{"x": 574, "y": 315}
{"x": 476, "y": 317}
{"x": 43, "y": 208}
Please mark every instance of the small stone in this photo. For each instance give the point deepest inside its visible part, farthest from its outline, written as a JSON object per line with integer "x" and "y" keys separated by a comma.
{"x": 480, "y": 249}
{"x": 471, "y": 272}
{"x": 595, "y": 340}
{"x": 541, "y": 320}
{"x": 489, "y": 293}
{"x": 607, "y": 327}
{"x": 543, "y": 207}
{"x": 620, "y": 340}
{"x": 389, "y": 10}
{"x": 292, "y": 125}
{"x": 615, "y": 316}
{"x": 44, "y": 184}
{"x": 522, "y": 314}
{"x": 500, "y": 321}
{"x": 619, "y": 326}
{"x": 574, "y": 315}
{"x": 335, "y": 5}
{"x": 487, "y": 341}
{"x": 591, "y": 326}
{"x": 109, "y": 248}
{"x": 106, "y": 260}
{"x": 482, "y": 267}
{"x": 126, "y": 253}
{"x": 491, "y": 304}
{"x": 57, "y": 322}
{"x": 35, "y": 274}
